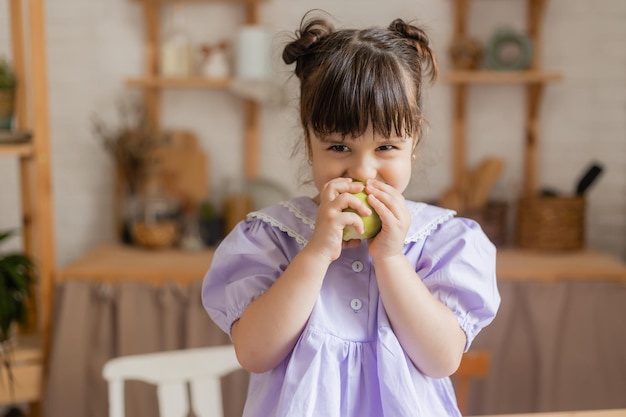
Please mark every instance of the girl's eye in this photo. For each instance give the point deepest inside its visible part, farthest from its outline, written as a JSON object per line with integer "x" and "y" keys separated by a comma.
{"x": 339, "y": 148}
{"x": 386, "y": 148}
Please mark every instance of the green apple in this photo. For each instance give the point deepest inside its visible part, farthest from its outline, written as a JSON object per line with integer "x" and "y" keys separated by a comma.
{"x": 371, "y": 223}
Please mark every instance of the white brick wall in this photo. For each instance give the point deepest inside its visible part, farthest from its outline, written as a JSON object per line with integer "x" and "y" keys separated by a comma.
{"x": 93, "y": 46}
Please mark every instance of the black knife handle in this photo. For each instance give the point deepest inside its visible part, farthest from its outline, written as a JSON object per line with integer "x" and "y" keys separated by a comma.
{"x": 588, "y": 178}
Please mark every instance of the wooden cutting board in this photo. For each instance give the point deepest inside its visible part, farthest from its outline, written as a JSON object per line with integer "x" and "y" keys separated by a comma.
{"x": 182, "y": 167}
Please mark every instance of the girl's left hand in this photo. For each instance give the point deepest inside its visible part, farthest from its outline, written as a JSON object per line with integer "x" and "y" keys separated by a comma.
{"x": 394, "y": 214}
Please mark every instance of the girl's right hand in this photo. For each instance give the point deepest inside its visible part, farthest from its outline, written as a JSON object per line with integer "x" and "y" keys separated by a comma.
{"x": 335, "y": 196}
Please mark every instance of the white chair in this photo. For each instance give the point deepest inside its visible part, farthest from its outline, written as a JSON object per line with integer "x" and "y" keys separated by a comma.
{"x": 172, "y": 372}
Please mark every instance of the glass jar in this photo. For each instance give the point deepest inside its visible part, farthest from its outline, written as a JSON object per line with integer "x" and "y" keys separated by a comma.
{"x": 157, "y": 222}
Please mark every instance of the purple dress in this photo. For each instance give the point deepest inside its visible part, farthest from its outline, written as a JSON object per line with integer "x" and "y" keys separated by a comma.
{"x": 348, "y": 361}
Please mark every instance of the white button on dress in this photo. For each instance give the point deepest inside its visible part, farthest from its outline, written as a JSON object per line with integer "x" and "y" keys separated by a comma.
{"x": 356, "y": 304}
{"x": 357, "y": 266}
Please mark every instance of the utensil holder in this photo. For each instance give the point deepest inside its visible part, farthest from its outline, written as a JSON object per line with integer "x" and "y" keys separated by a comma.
{"x": 551, "y": 223}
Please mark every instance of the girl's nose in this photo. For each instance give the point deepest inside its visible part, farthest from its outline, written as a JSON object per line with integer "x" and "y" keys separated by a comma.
{"x": 364, "y": 168}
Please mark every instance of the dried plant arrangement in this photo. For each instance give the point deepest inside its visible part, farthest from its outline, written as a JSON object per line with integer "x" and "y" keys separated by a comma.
{"x": 131, "y": 142}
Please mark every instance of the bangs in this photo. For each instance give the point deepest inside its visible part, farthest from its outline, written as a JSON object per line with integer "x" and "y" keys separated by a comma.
{"x": 357, "y": 89}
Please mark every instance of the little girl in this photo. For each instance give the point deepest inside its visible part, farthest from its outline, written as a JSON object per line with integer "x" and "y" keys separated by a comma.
{"x": 368, "y": 328}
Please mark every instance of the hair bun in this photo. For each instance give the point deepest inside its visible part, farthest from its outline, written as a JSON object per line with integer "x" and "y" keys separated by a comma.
{"x": 409, "y": 31}
{"x": 421, "y": 41}
{"x": 309, "y": 34}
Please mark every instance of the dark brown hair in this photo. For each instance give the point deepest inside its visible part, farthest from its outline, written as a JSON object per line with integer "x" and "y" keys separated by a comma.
{"x": 350, "y": 78}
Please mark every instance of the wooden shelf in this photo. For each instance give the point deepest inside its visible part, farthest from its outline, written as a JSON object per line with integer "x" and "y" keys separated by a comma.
{"x": 16, "y": 149}
{"x": 501, "y": 77}
{"x": 16, "y": 143}
{"x": 529, "y": 265}
{"x": 187, "y": 82}
{"x": 202, "y": 1}
{"x": 115, "y": 262}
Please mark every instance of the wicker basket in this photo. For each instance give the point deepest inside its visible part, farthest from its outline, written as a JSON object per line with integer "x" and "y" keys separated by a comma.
{"x": 551, "y": 223}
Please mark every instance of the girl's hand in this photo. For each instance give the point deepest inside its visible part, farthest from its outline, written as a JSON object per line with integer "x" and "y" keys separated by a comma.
{"x": 335, "y": 196}
{"x": 390, "y": 205}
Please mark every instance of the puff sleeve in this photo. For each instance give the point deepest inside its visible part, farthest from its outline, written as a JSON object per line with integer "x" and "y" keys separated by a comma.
{"x": 244, "y": 266}
{"x": 458, "y": 265}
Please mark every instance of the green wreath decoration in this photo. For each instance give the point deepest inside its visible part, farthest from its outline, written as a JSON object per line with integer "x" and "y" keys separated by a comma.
{"x": 509, "y": 50}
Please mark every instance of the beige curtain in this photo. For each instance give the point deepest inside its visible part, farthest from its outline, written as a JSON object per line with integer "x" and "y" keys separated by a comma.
{"x": 555, "y": 347}
{"x": 94, "y": 322}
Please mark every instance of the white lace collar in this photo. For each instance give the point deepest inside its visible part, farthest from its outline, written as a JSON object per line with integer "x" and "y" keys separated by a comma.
{"x": 296, "y": 217}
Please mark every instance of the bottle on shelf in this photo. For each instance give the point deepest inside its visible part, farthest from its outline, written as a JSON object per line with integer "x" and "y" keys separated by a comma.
{"x": 176, "y": 49}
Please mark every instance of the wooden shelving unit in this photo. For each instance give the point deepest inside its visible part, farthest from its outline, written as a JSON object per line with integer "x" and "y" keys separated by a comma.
{"x": 27, "y": 31}
{"x": 534, "y": 79}
{"x": 190, "y": 82}
{"x": 501, "y": 77}
{"x": 152, "y": 83}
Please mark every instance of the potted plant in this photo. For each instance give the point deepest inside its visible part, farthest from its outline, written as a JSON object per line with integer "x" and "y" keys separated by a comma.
{"x": 8, "y": 82}
{"x": 17, "y": 275}
{"x": 210, "y": 223}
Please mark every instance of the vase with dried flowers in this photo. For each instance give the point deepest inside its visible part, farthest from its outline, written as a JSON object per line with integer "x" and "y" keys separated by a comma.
{"x": 131, "y": 143}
